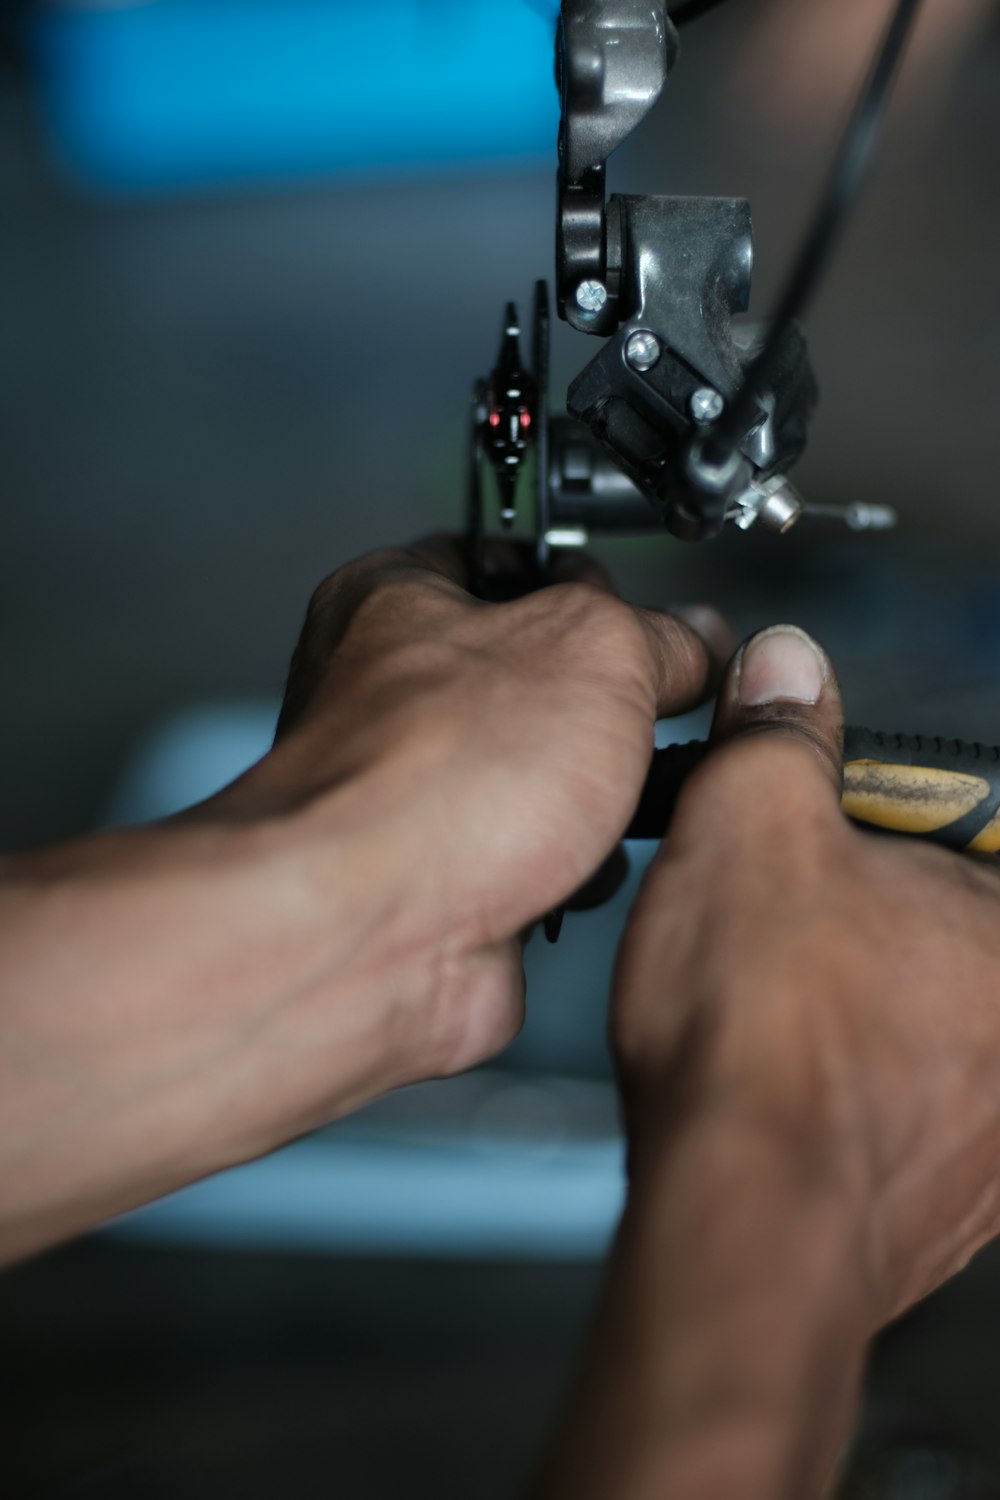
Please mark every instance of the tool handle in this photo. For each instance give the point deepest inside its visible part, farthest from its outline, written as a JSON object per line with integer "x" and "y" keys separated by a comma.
{"x": 943, "y": 790}
{"x": 940, "y": 789}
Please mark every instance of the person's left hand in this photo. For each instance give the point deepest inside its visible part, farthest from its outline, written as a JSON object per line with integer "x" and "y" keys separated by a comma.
{"x": 493, "y": 752}
{"x": 344, "y": 918}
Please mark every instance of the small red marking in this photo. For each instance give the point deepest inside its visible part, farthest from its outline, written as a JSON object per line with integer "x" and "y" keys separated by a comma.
{"x": 494, "y": 419}
{"x": 526, "y": 419}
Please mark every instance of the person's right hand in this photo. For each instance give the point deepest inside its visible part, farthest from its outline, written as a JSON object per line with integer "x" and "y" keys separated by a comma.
{"x": 806, "y": 1024}
{"x": 787, "y": 973}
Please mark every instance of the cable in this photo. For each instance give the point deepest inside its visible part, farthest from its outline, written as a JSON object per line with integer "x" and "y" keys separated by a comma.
{"x": 843, "y": 186}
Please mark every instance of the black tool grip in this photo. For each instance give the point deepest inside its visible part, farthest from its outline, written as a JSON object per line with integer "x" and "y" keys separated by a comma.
{"x": 668, "y": 772}
{"x": 944, "y": 790}
{"x": 921, "y": 749}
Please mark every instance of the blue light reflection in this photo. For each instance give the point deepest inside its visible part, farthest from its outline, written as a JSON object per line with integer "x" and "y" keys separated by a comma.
{"x": 174, "y": 93}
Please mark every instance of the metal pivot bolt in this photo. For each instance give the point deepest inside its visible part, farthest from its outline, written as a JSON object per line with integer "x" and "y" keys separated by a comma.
{"x": 591, "y": 296}
{"x": 706, "y": 405}
{"x": 642, "y": 350}
{"x": 772, "y": 503}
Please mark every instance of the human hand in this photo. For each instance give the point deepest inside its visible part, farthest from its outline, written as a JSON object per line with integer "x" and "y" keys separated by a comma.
{"x": 346, "y": 917}
{"x": 806, "y": 1023}
{"x": 834, "y": 991}
{"x": 494, "y": 753}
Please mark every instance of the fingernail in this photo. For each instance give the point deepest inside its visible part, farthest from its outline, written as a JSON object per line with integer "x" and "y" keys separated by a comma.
{"x": 781, "y": 665}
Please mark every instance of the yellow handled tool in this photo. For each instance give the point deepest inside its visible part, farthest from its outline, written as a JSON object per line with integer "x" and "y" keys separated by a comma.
{"x": 943, "y": 790}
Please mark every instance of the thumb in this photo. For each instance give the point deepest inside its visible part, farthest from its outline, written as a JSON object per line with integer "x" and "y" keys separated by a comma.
{"x": 777, "y": 737}
{"x": 781, "y": 682}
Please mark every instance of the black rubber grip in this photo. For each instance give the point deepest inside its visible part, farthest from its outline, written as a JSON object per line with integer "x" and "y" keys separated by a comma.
{"x": 668, "y": 772}
{"x": 943, "y": 790}
{"x": 922, "y": 750}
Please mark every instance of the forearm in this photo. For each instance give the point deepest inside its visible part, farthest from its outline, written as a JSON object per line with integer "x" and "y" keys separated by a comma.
{"x": 730, "y": 1339}
{"x": 179, "y": 998}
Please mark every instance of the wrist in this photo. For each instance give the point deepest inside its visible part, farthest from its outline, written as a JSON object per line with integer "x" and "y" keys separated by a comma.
{"x": 182, "y": 997}
{"x": 376, "y": 847}
{"x": 335, "y": 990}
{"x": 769, "y": 1341}
{"x": 731, "y": 1337}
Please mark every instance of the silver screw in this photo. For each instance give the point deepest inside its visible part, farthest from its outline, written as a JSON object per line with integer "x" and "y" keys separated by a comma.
{"x": 706, "y": 405}
{"x": 642, "y": 350}
{"x": 591, "y": 296}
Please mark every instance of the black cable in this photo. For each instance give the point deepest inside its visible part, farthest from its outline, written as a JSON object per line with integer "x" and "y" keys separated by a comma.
{"x": 842, "y": 188}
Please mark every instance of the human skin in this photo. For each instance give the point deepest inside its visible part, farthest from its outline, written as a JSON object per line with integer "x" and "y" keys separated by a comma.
{"x": 806, "y": 1019}
{"x": 806, "y": 1022}
{"x": 346, "y": 917}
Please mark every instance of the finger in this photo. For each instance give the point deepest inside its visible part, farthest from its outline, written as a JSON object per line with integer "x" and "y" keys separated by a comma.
{"x": 434, "y": 566}
{"x": 338, "y": 597}
{"x": 714, "y": 629}
{"x": 687, "y": 662}
{"x": 774, "y": 766}
{"x": 781, "y": 683}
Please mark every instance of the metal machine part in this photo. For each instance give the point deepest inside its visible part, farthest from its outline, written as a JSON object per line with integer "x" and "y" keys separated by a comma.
{"x": 669, "y": 371}
{"x": 686, "y": 419}
{"x": 587, "y": 490}
{"x": 580, "y": 488}
{"x": 612, "y": 60}
{"x": 510, "y": 421}
{"x": 700, "y": 417}
{"x": 510, "y": 413}
{"x": 661, "y": 279}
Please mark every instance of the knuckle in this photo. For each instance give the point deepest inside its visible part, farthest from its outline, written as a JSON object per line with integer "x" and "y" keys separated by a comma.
{"x": 400, "y": 593}
{"x": 587, "y": 602}
{"x": 387, "y": 593}
{"x": 324, "y": 594}
{"x": 349, "y": 580}
{"x": 611, "y": 629}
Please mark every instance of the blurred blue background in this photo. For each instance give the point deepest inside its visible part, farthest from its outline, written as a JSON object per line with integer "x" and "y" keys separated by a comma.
{"x": 175, "y": 93}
